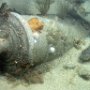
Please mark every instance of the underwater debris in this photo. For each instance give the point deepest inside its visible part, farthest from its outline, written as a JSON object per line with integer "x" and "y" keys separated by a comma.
{"x": 4, "y": 10}
{"x": 10, "y": 78}
{"x": 36, "y": 77}
{"x": 79, "y": 19}
{"x": 82, "y": 11}
{"x": 36, "y": 24}
{"x": 77, "y": 43}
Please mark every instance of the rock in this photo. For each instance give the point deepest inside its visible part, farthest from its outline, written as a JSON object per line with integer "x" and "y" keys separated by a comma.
{"x": 69, "y": 66}
{"x": 84, "y": 73}
{"x": 85, "y": 55}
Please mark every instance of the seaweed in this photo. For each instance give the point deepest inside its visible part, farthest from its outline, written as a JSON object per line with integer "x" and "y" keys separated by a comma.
{"x": 43, "y": 5}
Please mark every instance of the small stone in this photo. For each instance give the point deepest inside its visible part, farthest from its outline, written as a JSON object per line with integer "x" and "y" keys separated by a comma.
{"x": 69, "y": 66}
{"x": 85, "y": 55}
{"x": 84, "y": 73}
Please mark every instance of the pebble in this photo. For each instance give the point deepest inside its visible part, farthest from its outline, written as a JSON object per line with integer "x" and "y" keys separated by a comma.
{"x": 85, "y": 55}
{"x": 84, "y": 73}
{"x": 69, "y": 66}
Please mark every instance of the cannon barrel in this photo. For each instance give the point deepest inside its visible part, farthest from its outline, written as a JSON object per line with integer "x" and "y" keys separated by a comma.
{"x": 21, "y": 49}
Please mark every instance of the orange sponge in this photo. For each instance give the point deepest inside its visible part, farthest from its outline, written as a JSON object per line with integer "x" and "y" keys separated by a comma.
{"x": 36, "y": 24}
